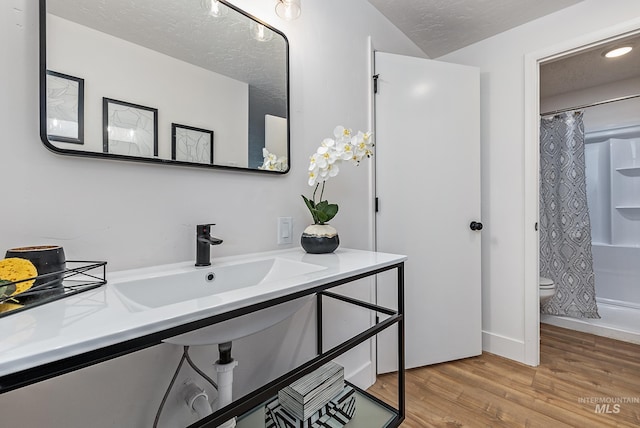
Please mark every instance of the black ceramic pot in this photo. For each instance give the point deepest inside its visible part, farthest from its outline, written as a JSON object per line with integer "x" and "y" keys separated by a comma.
{"x": 48, "y": 259}
{"x": 320, "y": 239}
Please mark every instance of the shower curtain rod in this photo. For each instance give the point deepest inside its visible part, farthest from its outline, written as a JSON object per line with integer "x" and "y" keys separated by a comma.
{"x": 613, "y": 100}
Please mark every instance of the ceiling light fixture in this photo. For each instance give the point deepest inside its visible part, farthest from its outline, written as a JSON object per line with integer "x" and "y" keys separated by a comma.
{"x": 288, "y": 9}
{"x": 618, "y": 51}
{"x": 260, "y": 32}
{"x": 214, "y": 8}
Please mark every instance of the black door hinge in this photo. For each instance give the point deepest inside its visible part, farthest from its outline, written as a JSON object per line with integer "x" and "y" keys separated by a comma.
{"x": 375, "y": 83}
{"x": 377, "y": 204}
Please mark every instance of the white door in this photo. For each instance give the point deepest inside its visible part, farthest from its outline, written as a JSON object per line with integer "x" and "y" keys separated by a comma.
{"x": 428, "y": 185}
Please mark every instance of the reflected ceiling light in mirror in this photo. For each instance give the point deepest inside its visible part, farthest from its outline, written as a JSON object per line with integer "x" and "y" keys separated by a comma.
{"x": 618, "y": 51}
{"x": 260, "y": 32}
{"x": 288, "y": 9}
{"x": 214, "y": 8}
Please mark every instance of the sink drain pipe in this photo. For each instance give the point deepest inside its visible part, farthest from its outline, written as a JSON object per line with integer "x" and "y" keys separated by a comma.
{"x": 197, "y": 399}
{"x": 224, "y": 368}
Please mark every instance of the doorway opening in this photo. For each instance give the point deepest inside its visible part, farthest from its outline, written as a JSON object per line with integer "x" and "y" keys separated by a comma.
{"x": 579, "y": 78}
{"x": 607, "y": 92}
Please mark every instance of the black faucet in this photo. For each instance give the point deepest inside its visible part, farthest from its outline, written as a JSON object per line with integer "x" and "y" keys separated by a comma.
{"x": 204, "y": 241}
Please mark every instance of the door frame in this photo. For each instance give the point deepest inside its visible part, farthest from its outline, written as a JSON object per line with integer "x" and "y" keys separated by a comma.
{"x": 371, "y": 124}
{"x": 532, "y": 63}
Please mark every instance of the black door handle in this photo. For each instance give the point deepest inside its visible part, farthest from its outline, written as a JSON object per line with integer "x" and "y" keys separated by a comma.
{"x": 475, "y": 225}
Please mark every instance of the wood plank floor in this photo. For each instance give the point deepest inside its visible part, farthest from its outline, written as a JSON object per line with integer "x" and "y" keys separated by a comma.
{"x": 579, "y": 374}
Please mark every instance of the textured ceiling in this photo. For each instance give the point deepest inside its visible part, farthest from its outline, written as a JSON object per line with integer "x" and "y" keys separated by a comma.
{"x": 589, "y": 68}
{"x": 436, "y": 26}
{"x": 442, "y": 26}
{"x": 223, "y": 45}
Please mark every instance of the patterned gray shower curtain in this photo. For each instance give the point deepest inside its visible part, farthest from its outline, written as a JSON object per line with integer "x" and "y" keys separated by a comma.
{"x": 565, "y": 229}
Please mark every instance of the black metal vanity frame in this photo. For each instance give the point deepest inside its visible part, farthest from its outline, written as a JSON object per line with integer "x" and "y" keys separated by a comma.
{"x": 260, "y": 395}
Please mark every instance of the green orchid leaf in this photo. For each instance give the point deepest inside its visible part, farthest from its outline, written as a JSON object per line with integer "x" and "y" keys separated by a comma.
{"x": 327, "y": 208}
{"x": 312, "y": 208}
{"x": 321, "y": 212}
{"x": 324, "y": 211}
{"x": 331, "y": 211}
{"x": 309, "y": 203}
{"x": 322, "y": 217}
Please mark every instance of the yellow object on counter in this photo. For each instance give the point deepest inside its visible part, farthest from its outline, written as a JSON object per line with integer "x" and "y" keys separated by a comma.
{"x": 15, "y": 269}
{"x": 6, "y": 307}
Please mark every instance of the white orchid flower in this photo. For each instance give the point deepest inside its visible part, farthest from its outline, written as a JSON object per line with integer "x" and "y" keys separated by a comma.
{"x": 326, "y": 146}
{"x": 313, "y": 176}
{"x": 326, "y": 158}
{"x": 333, "y": 170}
{"x": 313, "y": 162}
{"x": 325, "y": 163}
{"x": 362, "y": 150}
{"x": 344, "y": 150}
{"x": 341, "y": 132}
{"x": 272, "y": 162}
{"x": 344, "y": 147}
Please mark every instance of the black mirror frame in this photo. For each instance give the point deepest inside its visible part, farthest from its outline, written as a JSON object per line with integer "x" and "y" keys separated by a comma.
{"x": 111, "y": 156}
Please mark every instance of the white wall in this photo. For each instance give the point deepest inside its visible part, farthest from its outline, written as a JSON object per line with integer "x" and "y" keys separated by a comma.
{"x": 501, "y": 60}
{"x": 136, "y": 215}
{"x": 602, "y": 117}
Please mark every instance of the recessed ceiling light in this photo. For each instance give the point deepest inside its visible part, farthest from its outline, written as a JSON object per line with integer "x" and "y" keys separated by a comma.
{"x": 616, "y": 52}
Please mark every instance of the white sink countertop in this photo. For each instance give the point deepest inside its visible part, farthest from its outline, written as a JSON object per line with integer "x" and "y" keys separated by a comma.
{"x": 102, "y": 317}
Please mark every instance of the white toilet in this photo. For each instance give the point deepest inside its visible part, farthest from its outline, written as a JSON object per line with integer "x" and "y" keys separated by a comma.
{"x": 547, "y": 289}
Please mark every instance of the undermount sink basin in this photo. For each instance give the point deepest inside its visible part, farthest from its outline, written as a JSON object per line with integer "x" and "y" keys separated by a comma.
{"x": 166, "y": 287}
{"x": 236, "y": 328}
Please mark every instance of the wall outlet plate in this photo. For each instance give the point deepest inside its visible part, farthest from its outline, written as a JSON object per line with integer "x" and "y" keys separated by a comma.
{"x": 285, "y": 230}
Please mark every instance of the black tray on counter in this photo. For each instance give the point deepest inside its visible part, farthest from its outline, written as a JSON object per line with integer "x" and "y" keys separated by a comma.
{"x": 78, "y": 276}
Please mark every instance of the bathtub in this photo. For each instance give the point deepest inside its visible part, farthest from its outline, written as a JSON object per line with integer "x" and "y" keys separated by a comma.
{"x": 617, "y": 278}
{"x": 619, "y": 320}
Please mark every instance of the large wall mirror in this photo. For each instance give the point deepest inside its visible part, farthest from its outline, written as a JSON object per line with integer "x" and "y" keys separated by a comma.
{"x": 195, "y": 82}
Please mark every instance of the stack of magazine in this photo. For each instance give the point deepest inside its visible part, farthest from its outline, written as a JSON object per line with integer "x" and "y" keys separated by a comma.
{"x": 309, "y": 394}
{"x": 335, "y": 414}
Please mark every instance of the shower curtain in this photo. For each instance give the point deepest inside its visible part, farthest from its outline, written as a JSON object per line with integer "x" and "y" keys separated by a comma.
{"x": 565, "y": 229}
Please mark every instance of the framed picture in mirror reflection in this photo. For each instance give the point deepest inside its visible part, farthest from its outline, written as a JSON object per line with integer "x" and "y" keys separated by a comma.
{"x": 129, "y": 129}
{"x": 190, "y": 144}
{"x": 65, "y": 108}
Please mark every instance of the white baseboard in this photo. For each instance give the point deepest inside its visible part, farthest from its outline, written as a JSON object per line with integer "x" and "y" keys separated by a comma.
{"x": 361, "y": 377}
{"x": 504, "y": 346}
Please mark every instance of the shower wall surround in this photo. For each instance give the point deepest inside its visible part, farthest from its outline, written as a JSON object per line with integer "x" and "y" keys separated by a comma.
{"x": 613, "y": 186}
{"x": 625, "y": 192}
{"x": 613, "y": 183}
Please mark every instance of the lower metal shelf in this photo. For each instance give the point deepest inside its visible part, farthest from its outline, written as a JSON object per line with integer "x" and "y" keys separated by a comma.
{"x": 370, "y": 413}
